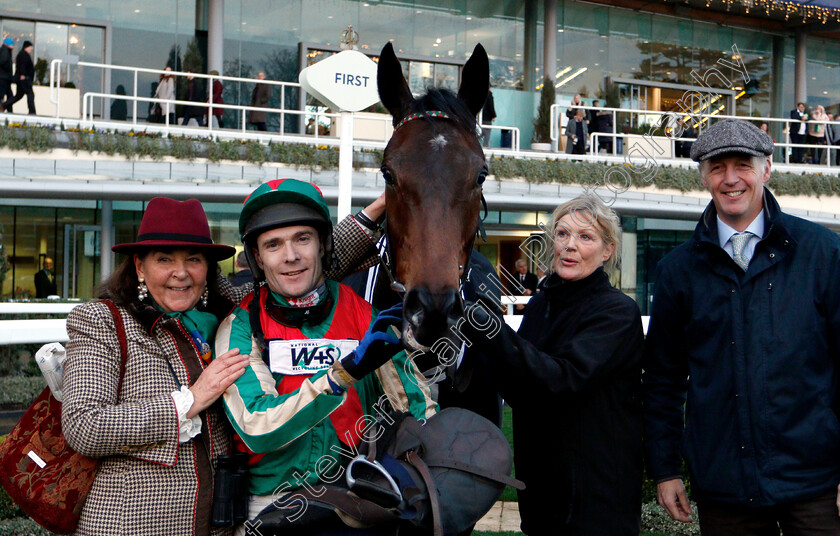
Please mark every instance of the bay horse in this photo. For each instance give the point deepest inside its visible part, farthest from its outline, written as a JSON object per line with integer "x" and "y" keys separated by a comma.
{"x": 433, "y": 167}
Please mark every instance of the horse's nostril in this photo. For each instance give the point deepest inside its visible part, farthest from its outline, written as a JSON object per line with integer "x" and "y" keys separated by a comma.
{"x": 416, "y": 317}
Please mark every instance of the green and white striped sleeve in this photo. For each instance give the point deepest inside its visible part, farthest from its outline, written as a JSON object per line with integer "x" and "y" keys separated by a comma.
{"x": 265, "y": 420}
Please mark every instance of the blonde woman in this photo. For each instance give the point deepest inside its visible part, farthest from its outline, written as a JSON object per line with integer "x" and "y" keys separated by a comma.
{"x": 572, "y": 375}
{"x": 816, "y": 133}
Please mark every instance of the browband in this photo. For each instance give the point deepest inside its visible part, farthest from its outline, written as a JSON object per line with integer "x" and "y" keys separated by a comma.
{"x": 434, "y": 114}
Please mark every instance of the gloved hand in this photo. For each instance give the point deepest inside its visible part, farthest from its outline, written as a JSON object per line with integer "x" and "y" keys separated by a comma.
{"x": 481, "y": 325}
{"x": 378, "y": 345}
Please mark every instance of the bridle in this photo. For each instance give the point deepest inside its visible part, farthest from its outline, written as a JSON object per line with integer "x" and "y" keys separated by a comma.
{"x": 385, "y": 258}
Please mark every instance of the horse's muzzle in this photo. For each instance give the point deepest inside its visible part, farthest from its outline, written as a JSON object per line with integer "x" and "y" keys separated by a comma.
{"x": 429, "y": 316}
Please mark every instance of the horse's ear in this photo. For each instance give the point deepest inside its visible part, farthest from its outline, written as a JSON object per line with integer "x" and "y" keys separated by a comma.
{"x": 393, "y": 89}
{"x": 475, "y": 80}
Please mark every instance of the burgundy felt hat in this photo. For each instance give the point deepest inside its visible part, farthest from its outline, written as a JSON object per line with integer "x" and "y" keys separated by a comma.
{"x": 170, "y": 223}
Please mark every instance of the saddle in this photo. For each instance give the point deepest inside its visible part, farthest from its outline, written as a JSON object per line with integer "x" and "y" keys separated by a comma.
{"x": 440, "y": 476}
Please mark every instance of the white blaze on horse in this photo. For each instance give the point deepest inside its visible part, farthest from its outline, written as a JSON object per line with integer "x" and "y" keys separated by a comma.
{"x": 433, "y": 167}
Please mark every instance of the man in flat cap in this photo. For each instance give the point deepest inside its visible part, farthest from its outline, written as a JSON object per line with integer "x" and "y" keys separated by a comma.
{"x": 742, "y": 357}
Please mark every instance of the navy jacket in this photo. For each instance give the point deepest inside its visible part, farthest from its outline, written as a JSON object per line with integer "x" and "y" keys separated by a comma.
{"x": 24, "y": 66}
{"x": 757, "y": 354}
{"x": 5, "y": 63}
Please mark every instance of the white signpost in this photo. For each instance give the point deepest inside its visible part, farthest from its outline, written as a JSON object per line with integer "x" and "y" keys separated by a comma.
{"x": 345, "y": 82}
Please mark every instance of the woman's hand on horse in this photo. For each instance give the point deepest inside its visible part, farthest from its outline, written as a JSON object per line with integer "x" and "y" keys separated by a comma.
{"x": 216, "y": 378}
{"x": 376, "y": 210}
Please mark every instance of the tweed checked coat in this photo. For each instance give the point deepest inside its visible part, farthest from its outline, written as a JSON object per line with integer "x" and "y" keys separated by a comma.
{"x": 148, "y": 482}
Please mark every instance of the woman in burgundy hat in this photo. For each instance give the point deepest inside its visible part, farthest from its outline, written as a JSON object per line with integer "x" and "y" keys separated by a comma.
{"x": 160, "y": 433}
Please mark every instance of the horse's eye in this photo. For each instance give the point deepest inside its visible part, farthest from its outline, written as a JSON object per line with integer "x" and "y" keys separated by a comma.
{"x": 481, "y": 178}
{"x": 386, "y": 174}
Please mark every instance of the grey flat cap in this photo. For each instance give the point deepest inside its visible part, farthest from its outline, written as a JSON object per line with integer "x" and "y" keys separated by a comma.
{"x": 731, "y": 136}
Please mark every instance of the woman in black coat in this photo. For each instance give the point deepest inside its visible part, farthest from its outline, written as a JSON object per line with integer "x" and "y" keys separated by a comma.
{"x": 572, "y": 375}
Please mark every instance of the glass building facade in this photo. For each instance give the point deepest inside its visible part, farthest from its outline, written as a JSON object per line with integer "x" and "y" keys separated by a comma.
{"x": 594, "y": 43}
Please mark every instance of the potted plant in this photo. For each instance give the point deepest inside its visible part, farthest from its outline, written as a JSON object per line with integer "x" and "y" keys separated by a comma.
{"x": 541, "y": 140}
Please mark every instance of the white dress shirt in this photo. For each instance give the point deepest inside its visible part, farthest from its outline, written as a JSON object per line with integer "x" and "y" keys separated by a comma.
{"x": 725, "y": 233}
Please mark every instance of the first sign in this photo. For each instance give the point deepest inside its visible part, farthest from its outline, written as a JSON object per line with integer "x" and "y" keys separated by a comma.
{"x": 345, "y": 81}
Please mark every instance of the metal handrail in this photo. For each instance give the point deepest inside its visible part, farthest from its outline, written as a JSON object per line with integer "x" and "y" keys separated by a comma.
{"x": 515, "y": 137}
{"x": 699, "y": 118}
{"x": 516, "y": 149}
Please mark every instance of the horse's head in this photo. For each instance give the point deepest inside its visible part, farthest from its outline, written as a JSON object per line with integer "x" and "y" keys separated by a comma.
{"x": 433, "y": 168}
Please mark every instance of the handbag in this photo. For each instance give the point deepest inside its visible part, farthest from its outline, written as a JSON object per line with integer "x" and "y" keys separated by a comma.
{"x": 157, "y": 114}
{"x": 38, "y": 469}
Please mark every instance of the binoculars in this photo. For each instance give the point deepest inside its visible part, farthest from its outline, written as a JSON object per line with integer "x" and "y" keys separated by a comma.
{"x": 230, "y": 493}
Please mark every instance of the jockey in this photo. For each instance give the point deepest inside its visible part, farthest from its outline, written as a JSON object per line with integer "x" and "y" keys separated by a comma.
{"x": 320, "y": 357}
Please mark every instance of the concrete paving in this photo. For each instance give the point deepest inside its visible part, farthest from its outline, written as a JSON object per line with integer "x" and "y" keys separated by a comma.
{"x": 503, "y": 517}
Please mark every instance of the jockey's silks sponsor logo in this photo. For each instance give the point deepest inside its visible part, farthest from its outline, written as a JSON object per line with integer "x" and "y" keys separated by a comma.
{"x": 320, "y": 355}
{"x": 307, "y": 356}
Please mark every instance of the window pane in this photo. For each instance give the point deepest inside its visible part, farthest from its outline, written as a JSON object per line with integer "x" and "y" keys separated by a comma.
{"x": 420, "y": 76}
{"x": 88, "y": 43}
{"x": 446, "y": 76}
{"x": 20, "y": 31}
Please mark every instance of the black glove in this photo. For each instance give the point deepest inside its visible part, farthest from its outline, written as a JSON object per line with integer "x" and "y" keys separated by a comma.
{"x": 378, "y": 345}
{"x": 481, "y": 325}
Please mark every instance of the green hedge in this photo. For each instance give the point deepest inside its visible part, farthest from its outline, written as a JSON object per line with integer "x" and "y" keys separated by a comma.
{"x": 623, "y": 175}
{"x": 139, "y": 144}
{"x": 20, "y": 391}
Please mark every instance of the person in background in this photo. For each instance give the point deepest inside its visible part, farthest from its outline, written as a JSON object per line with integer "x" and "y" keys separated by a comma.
{"x": 816, "y": 133}
{"x": 689, "y": 130}
{"x": 525, "y": 283}
{"x": 218, "y": 89}
{"x": 243, "y": 274}
{"x": 741, "y": 362}
{"x": 159, "y": 436}
{"x": 577, "y": 100}
{"x": 573, "y": 368}
{"x": 603, "y": 123}
{"x": 194, "y": 92}
{"x": 6, "y": 72}
{"x": 165, "y": 91}
{"x": 119, "y": 107}
{"x": 798, "y": 132}
{"x": 577, "y": 133}
{"x": 488, "y": 115}
{"x": 260, "y": 97}
{"x": 833, "y": 135}
{"x": 45, "y": 280}
{"x": 541, "y": 277}
{"x": 24, "y": 78}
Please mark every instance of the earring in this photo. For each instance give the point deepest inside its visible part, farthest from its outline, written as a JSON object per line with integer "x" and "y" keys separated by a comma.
{"x": 142, "y": 290}
{"x": 205, "y": 296}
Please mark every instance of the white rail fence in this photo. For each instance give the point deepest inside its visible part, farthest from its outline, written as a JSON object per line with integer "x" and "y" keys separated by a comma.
{"x": 44, "y": 330}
